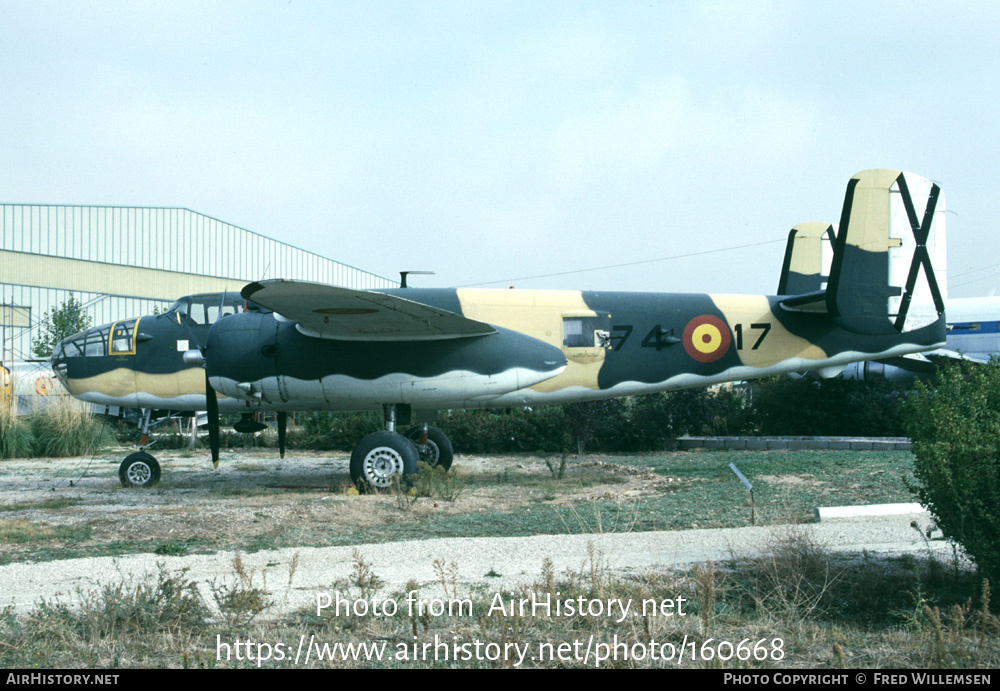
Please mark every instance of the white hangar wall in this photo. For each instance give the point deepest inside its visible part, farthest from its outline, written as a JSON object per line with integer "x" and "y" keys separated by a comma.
{"x": 122, "y": 262}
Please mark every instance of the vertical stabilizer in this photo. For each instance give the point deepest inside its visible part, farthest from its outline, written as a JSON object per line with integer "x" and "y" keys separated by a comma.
{"x": 889, "y": 245}
{"x": 808, "y": 255}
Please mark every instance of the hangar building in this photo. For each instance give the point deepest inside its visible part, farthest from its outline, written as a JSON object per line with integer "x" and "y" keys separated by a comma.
{"x": 122, "y": 262}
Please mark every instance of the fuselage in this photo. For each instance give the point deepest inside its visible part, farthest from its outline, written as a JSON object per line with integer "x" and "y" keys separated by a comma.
{"x": 550, "y": 347}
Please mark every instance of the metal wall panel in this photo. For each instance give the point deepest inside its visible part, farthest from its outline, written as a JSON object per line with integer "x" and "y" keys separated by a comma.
{"x": 87, "y": 251}
{"x": 169, "y": 239}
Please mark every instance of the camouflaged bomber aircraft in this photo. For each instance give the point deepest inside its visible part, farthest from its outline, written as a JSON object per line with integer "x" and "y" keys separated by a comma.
{"x": 295, "y": 346}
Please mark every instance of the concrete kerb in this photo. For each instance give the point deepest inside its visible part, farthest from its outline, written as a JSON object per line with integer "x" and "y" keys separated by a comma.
{"x": 796, "y": 443}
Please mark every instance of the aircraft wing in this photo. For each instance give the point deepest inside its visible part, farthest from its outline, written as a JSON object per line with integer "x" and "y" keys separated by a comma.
{"x": 343, "y": 314}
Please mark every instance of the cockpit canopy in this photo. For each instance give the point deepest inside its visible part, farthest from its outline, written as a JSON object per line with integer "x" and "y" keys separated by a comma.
{"x": 198, "y": 312}
{"x": 208, "y": 308}
{"x": 90, "y": 343}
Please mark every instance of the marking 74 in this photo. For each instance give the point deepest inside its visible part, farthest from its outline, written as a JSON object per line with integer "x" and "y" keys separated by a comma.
{"x": 627, "y": 328}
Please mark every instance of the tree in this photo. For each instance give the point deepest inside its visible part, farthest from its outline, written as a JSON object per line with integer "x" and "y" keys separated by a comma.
{"x": 955, "y": 427}
{"x": 62, "y": 322}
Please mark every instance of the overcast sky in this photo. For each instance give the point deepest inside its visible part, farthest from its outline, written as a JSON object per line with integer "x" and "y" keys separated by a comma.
{"x": 495, "y": 141}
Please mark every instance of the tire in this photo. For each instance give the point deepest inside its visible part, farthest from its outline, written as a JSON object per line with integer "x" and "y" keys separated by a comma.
{"x": 438, "y": 453}
{"x": 139, "y": 470}
{"x": 380, "y": 456}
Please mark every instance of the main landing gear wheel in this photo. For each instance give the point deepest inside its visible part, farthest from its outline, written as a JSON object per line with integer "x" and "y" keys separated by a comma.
{"x": 438, "y": 451}
{"x": 139, "y": 470}
{"x": 380, "y": 456}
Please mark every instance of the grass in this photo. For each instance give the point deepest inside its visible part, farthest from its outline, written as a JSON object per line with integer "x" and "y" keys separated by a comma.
{"x": 45, "y": 504}
{"x": 23, "y": 531}
{"x": 794, "y": 606}
{"x": 828, "y": 610}
{"x": 62, "y": 427}
{"x": 695, "y": 490}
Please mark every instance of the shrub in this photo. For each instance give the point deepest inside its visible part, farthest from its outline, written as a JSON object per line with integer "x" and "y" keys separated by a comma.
{"x": 505, "y": 431}
{"x": 804, "y": 406}
{"x": 955, "y": 427}
{"x": 658, "y": 419}
{"x": 341, "y": 431}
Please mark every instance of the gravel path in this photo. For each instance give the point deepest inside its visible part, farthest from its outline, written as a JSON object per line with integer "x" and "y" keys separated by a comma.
{"x": 515, "y": 559}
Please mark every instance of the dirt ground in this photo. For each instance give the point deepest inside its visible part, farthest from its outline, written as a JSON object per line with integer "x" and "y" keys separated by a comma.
{"x": 255, "y": 501}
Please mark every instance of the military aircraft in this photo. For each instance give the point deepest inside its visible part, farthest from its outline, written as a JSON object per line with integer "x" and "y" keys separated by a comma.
{"x": 286, "y": 345}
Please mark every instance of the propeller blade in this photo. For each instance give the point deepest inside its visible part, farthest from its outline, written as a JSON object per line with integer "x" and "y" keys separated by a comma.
{"x": 282, "y": 424}
{"x": 213, "y": 420}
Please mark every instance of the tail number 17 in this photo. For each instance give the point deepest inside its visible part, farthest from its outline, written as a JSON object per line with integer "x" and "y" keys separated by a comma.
{"x": 763, "y": 328}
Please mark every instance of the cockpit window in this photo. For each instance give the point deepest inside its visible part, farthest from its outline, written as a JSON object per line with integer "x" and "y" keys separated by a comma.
{"x": 123, "y": 337}
{"x": 205, "y": 310}
{"x": 67, "y": 349}
{"x": 92, "y": 343}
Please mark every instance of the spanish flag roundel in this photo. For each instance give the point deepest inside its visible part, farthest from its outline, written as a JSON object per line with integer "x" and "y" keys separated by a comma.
{"x": 706, "y": 338}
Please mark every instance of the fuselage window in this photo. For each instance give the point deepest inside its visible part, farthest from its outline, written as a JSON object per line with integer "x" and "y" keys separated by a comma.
{"x": 586, "y": 332}
{"x": 573, "y": 334}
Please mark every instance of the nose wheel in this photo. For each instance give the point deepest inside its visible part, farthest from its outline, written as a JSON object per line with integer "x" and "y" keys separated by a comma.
{"x": 139, "y": 470}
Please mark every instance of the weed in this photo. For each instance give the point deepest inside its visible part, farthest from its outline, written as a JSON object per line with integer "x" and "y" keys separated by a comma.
{"x": 66, "y": 428}
{"x": 792, "y": 578}
{"x": 363, "y": 577}
{"x": 704, "y": 579}
{"x": 436, "y": 481}
{"x": 170, "y": 548}
{"x": 16, "y": 440}
{"x": 447, "y": 575}
{"x": 403, "y": 496}
{"x": 241, "y": 600}
{"x": 621, "y": 519}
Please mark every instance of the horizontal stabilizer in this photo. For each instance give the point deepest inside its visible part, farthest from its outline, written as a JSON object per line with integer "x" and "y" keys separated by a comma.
{"x": 343, "y": 314}
{"x": 807, "y": 302}
{"x": 942, "y": 355}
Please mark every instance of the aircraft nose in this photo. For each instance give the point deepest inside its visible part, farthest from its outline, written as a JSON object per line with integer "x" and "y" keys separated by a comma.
{"x": 57, "y": 361}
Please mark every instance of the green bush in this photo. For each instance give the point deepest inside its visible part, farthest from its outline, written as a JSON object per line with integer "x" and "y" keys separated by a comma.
{"x": 637, "y": 423}
{"x": 657, "y": 420}
{"x": 829, "y": 407}
{"x": 955, "y": 427}
{"x": 341, "y": 431}
{"x": 505, "y": 431}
